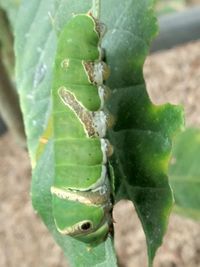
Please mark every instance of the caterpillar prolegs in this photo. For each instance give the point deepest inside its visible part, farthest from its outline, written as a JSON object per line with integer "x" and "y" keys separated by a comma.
{"x": 81, "y": 193}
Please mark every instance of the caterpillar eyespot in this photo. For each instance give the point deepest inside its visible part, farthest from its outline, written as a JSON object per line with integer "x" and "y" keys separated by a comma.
{"x": 86, "y": 226}
{"x": 81, "y": 192}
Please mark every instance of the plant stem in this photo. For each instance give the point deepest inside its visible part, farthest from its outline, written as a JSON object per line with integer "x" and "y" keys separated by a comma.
{"x": 6, "y": 42}
{"x": 9, "y": 106}
{"x": 96, "y": 8}
{"x": 9, "y": 102}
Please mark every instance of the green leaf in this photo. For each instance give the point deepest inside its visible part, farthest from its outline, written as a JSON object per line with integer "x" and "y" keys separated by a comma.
{"x": 142, "y": 135}
{"x": 185, "y": 173}
{"x": 35, "y": 50}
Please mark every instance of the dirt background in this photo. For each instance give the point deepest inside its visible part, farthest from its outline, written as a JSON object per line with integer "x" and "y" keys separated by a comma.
{"x": 172, "y": 76}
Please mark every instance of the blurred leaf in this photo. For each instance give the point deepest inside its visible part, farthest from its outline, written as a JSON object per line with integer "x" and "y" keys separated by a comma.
{"x": 11, "y": 7}
{"x": 168, "y": 6}
{"x": 143, "y": 132}
{"x": 185, "y": 173}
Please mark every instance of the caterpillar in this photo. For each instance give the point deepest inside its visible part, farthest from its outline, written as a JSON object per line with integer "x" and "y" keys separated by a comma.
{"x": 82, "y": 190}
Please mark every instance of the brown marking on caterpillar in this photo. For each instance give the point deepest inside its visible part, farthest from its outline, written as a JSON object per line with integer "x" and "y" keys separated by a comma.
{"x": 83, "y": 114}
{"x": 99, "y": 27}
{"x": 97, "y": 71}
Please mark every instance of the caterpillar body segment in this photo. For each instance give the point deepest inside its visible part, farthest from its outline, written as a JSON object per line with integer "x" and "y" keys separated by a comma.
{"x": 81, "y": 193}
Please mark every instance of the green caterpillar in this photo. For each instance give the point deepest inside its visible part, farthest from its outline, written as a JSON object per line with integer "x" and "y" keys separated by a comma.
{"x": 81, "y": 193}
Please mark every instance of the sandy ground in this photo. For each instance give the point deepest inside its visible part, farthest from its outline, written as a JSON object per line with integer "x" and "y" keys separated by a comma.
{"x": 172, "y": 76}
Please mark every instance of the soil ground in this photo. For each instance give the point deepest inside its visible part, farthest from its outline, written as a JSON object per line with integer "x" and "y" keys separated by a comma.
{"x": 171, "y": 76}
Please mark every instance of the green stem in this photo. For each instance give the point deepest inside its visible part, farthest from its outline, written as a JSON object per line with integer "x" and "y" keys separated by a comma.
{"x": 96, "y": 8}
{"x": 7, "y": 43}
{"x": 9, "y": 101}
{"x": 9, "y": 106}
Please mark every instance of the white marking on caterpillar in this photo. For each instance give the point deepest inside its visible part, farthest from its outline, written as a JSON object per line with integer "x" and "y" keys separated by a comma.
{"x": 98, "y": 73}
{"x": 107, "y": 149}
{"x": 65, "y": 63}
{"x": 94, "y": 123}
{"x": 99, "y": 121}
{"x": 104, "y": 150}
{"x": 70, "y": 195}
{"x": 101, "y": 52}
{"x": 101, "y": 91}
{"x": 103, "y": 189}
{"x": 100, "y": 181}
{"x": 94, "y": 197}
